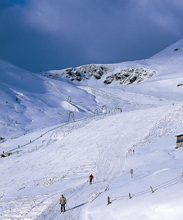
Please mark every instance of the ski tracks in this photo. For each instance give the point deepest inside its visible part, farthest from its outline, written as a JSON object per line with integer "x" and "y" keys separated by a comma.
{"x": 167, "y": 125}
{"x": 110, "y": 161}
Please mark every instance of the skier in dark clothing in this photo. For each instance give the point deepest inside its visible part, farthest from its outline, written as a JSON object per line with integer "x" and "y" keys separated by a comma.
{"x": 62, "y": 203}
{"x": 91, "y": 178}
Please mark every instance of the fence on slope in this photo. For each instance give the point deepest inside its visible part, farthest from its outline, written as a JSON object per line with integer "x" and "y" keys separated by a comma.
{"x": 164, "y": 185}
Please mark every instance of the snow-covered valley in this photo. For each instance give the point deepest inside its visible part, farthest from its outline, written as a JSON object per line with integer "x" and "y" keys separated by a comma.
{"x": 58, "y": 131}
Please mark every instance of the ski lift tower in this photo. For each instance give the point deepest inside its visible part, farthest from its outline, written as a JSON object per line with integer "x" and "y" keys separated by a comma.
{"x": 179, "y": 142}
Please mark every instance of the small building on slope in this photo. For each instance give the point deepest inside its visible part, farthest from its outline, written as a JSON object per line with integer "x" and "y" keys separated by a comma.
{"x": 179, "y": 142}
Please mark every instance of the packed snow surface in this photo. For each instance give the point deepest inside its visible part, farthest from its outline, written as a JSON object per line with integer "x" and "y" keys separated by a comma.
{"x": 55, "y": 132}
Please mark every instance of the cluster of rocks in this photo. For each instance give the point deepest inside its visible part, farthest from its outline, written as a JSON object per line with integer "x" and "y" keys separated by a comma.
{"x": 94, "y": 70}
{"x": 70, "y": 73}
{"x": 130, "y": 75}
{"x": 73, "y": 74}
{"x": 124, "y": 76}
{"x": 83, "y": 72}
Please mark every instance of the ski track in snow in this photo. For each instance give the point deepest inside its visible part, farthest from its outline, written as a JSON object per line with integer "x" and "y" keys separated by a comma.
{"x": 54, "y": 159}
{"x": 79, "y": 197}
{"x": 46, "y": 206}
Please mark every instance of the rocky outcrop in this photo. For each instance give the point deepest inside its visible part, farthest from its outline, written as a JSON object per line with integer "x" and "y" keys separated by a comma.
{"x": 94, "y": 70}
{"x": 124, "y": 76}
{"x": 108, "y": 79}
{"x": 130, "y": 75}
{"x": 70, "y": 73}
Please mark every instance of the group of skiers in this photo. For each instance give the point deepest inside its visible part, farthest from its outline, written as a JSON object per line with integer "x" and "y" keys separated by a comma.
{"x": 63, "y": 199}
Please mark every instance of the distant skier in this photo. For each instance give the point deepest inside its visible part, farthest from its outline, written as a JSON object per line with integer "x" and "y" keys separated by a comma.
{"x": 62, "y": 203}
{"x": 91, "y": 178}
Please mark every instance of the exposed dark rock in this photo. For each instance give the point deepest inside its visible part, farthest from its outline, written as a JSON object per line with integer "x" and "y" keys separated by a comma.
{"x": 109, "y": 80}
{"x": 105, "y": 69}
{"x": 69, "y": 73}
{"x": 117, "y": 76}
{"x": 126, "y": 75}
{"x": 78, "y": 78}
{"x": 77, "y": 73}
{"x": 6, "y": 154}
{"x": 98, "y": 74}
{"x": 140, "y": 80}
{"x": 133, "y": 79}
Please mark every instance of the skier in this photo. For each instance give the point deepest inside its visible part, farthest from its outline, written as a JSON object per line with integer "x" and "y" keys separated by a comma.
{"x": 62, "y": 203}
{"x": 91, "y": 178}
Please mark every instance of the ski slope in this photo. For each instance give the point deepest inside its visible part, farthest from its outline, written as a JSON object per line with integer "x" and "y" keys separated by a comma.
{"x": 53, "y": 156}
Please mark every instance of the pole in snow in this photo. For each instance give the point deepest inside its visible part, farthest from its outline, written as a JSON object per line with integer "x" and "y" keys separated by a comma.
{"x": 152, "y": 189}
{"x": 130, "y": 196}
{"x": 131, "y": 172}
{"x": 108, "y": 200}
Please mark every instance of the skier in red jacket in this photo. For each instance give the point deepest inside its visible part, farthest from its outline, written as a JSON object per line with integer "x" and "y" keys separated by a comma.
{"x": 91, "y": 178}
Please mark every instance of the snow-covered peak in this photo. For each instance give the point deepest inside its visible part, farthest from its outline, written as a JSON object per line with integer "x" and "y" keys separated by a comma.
{"x": 174, "y": 51}
{"x": 167, "y": 61}
{"x": 27, "y": 98}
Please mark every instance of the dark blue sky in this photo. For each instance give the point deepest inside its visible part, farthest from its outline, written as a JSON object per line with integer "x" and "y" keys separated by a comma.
{"x": 55, "y": 34}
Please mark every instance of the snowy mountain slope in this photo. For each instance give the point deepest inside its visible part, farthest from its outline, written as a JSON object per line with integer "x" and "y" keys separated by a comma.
{"x": 31, "y": 101}
{"x": 56, "y": 156}
{"x": 167, "y": 83}
{"x": 34, "y": 178}
{"x": 165, "y": 62}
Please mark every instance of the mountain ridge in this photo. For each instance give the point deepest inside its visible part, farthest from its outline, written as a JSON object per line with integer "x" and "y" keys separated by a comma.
{"x": 126, "y": 72}
{"x": 23, "y": 91}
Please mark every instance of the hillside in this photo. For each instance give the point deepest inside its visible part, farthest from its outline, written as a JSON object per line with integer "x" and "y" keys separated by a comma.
{"x": 112, "y": 129}
{"x": 125, "y": 73}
